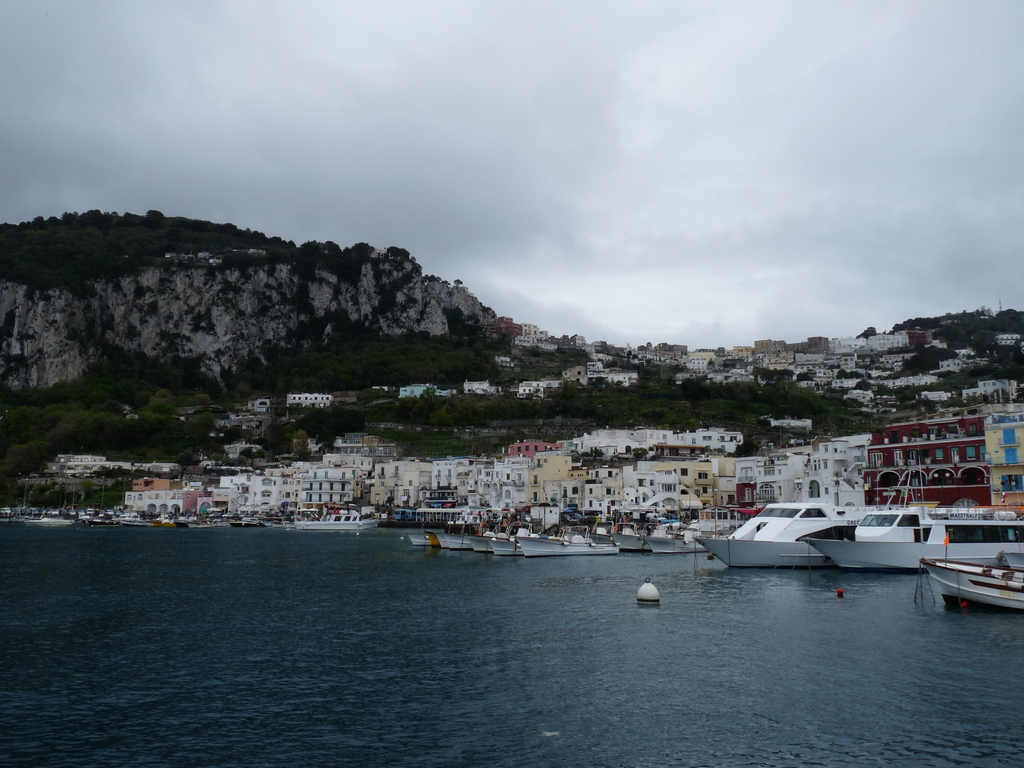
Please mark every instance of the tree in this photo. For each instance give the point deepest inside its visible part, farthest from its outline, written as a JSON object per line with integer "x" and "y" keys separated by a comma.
{"x": 867, "y": 332}
{"x": 300, "y": 444}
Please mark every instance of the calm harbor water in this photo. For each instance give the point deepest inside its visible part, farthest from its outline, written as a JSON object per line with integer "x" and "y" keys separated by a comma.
{"x": 228, "y": 647}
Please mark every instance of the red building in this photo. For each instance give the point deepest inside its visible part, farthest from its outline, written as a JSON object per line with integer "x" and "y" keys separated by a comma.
{"x": 938, "y": 461}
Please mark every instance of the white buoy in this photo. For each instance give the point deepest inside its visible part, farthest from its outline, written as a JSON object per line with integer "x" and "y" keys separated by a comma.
{"x": 648, "y": 594}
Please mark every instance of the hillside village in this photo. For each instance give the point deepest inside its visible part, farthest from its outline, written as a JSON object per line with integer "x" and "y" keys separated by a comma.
{"x": 964, "y": 455}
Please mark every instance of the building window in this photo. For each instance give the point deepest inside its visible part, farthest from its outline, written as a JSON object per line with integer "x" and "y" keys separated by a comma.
{"x": 814, "y": 490}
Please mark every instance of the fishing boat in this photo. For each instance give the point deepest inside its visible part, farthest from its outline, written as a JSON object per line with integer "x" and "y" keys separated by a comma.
{"x": 960, "y": 582}
{"x": 629, "y": 538}
{"x": 506, "y": 543}
{"x": 670, "y": 539}
{"x": 574, "y": 541}
{"x": 896, "y": 538}
{"x": 778, "y": 536}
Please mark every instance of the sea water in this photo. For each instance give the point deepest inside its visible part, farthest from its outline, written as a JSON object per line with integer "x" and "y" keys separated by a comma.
{"x": 261, "y": 647}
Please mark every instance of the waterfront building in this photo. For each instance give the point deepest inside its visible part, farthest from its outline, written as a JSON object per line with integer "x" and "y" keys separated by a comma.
{"x": 403, "y": 483}
{"x": 939, "y": 461}
{"x": 647, "y": 486}
{"x": 1004, "y": 434}
{"x": 328, "y": 486}
{"x": 545, "y": 469}
{"x": 503, "y": 485}
{"x": 602, "y": 494}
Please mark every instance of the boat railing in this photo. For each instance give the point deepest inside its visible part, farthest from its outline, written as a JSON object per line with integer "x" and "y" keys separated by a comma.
{"x": 975, "y": 513}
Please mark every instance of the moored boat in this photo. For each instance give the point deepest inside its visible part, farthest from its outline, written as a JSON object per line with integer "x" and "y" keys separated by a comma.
{"x": 777, "y": 536}
{"x": 420, "y": 539}
{"x": 629, "y": 538}
{"x": 48, "y": 520}
{"x": 572, "y": 542}
{"x": 337, "y": 520}
{"x": 959, "y": 581}
{"x": 896, "y": 538}
{"x": 670, "y": 539}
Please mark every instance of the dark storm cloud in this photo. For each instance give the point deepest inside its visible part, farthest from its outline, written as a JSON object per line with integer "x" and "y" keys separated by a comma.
{"x": 703, "y": 173}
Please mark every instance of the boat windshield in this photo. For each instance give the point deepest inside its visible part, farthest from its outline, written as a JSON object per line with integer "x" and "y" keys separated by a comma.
{"x": 813, "y": 513}
{"x": 878, "y": 521}
{"x": 779, "y": 512}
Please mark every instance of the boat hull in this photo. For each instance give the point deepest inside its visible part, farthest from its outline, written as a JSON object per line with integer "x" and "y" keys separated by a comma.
{"x": 673, "y": 546}
{"x": 456, "y": 542}
{"x": 740, "y": 553}
{"x": 902, "y": 555}
{"x": 959, "y": 581}
{"x": 420, "y": 539}
{"x": 332, "y": 525}
{"x": 629, "y": 542}
{"x": 505, "y": 547}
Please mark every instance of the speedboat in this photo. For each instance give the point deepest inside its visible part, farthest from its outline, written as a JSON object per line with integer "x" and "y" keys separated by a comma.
{"x": 958, "y": 582}
{"x": 777, "y": 536}
{"x": 337, "y": 520}
{"x": 571, "y": 542}
{"x": 896, "y": 538}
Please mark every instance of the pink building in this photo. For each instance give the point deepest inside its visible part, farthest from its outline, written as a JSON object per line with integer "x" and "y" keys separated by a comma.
{"x": 530, "y": 449}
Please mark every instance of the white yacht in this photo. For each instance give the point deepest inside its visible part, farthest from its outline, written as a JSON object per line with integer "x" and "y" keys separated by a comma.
{"x": 337, "y": 520}
{"x": 778, "y": 535}
{"x": 896, "y": 538}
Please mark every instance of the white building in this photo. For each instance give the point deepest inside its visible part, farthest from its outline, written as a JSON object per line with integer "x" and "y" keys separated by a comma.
{"x": 504, "y": 484}
{"x": 310, "y": 400}
{"x": 999, "y": 390}
{"x": 329, "y": 486}
{"x": 479, "y": 388}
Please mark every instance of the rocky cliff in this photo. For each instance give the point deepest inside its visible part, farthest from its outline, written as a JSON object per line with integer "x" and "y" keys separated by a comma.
{"x": 223, "y": 317}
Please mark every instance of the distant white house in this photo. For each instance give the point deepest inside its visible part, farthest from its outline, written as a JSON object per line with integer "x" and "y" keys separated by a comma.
{"x": 479, "y": 388}
{"x": 418, "y": 390}
{"x": 310, "y": 400}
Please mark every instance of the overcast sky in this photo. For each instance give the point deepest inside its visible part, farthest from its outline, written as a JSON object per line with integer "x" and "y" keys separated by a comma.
{"x": 704, "y": 173}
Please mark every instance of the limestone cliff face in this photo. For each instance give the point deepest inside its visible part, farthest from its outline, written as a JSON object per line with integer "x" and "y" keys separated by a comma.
{"x": 221, "y": 317}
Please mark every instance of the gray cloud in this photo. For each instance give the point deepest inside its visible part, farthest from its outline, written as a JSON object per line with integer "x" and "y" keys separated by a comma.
{"x": 692, "y": 172}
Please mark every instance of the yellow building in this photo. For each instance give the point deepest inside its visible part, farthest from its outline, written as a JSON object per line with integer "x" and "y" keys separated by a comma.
{"x": 1004, "y": 444}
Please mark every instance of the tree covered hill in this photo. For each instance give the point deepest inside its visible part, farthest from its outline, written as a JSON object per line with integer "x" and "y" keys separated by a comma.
{"x": 86, "y": 288}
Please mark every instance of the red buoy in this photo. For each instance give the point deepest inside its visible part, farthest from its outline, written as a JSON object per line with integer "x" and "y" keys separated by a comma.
{"x": 839, "y": 592}
{"x": 964, "y": 604}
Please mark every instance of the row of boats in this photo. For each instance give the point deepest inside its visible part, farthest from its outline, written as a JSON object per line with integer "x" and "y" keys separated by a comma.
{"x": 972, "y": 554}
{"x": 666, "y": 537}
{"x": 330, "y": 520}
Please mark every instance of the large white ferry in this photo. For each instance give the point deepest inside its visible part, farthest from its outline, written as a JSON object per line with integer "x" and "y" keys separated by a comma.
{"x": 896, "y": 538}
{"x": 778, "y": 535}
